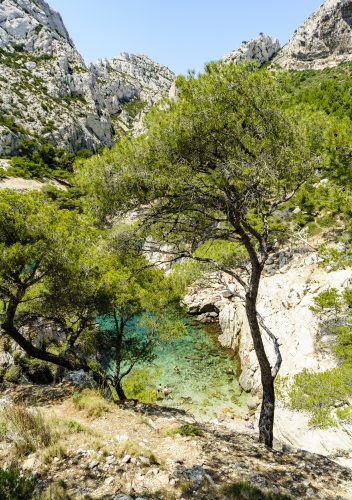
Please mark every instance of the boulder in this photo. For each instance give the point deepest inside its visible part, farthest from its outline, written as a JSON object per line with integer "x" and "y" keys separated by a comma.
{"x": 80, "y": 379}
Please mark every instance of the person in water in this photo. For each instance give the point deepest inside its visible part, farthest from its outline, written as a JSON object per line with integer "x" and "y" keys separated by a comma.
{"x": 164, "y": 392}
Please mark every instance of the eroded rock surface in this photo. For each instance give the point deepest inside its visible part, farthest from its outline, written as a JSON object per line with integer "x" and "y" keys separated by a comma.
{"x": 261, "y": 49}
{"x": 47, "y": 91}
{"x": 288, "y": 287}
{"x": 324, "y": 39}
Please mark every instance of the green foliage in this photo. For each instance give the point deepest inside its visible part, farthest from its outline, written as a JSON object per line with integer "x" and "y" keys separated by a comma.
{"x": 226, "y": 142}
{"x": 329, "y": 299}
{"x": 134, "y": 107}
{"x": 141, "y": 385}
{"x": 317, "y": 393}
{"x": 332, "y": 301}
{"x": 36, "y": 160}
{"x": 345, "y": 414}
{"x": 15, "y": 486}
{"x": 10, "y": 123}
{"x": 185, "y": 430}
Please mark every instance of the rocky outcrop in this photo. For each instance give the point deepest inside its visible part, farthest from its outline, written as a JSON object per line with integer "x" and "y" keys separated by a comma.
{"x": 324, "y": 40}
{"x": 46, "y": 89}
{"x": 130, "y": 84}
{"x": 261, "y": 49}
{"x": 48, "y": 92}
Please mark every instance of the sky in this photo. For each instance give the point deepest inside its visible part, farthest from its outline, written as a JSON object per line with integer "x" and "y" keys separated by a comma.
{"x": 180, "y": 34}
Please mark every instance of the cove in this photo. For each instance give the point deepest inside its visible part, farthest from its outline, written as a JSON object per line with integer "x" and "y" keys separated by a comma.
{"x": 201, "y": 374}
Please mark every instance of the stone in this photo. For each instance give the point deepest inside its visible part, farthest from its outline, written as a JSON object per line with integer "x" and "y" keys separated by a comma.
{"x": 111, "y": 460}
{"x": 260, "y": 49}
{"x": 93, "y": 464}
{"x": 80, "y": 378}
{"x": 31, "y": 463}
{"x": 121, "y": 438}
{"x": 59, "y": 88}
{"x": 145, "y": 460}
{"x": 6, "y": 401}
{"x": 324, "y": 39}
{"x": 126, "y": 459}
{"x": 253, "y": 402}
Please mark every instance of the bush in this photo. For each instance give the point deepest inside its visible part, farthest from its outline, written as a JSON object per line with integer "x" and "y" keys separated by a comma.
{"x": 13, "y": 486}
{"x": 13, "y": 374}
{"x": 35, "y": 160}
{"x": 91, "y": 402}
{"x": 185, "y": 430}
{"x": 27, "y": 430}
{"x": 141, "y": 385}
{"x": 318, "y": 393}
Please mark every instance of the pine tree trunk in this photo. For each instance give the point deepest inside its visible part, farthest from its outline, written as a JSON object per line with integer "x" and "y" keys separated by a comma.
{"x": 120, "y": 392}
{"x": 266, "y": 421}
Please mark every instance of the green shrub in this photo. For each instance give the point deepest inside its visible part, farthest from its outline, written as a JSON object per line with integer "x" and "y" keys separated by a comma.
{"x": 13, "y": 374}
{"x": 185, "y": 430}
{"x": 141, "y": 385}
{"x": 318, "y": 393}
{"x": 13, "y": 486}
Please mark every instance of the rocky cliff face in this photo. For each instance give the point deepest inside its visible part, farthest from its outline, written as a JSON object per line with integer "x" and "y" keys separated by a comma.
{"x": 261, "y": 49}
{"x": 291, "y": 281}
{"x": 130, "y": 84}
{"x": 48, "y": 92}
{"x": 324, "y": 40}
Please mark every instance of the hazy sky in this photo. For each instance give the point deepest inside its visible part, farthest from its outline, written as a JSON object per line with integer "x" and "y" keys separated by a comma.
{"x": 181, "y": 34}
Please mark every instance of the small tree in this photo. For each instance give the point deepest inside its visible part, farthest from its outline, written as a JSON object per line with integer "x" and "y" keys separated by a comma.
{"x": 134, "y": 298}
{"x": 215, "y": 165}
{"x": 42, "y": 251}
{"x": 57, "y": 269}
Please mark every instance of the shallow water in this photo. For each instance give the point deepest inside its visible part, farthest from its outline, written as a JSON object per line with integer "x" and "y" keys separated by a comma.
{"x": 201, "y": 373}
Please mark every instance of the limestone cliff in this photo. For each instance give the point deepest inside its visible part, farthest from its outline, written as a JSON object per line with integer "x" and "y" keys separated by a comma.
{"x": 261, "y": 49}
{"x": 130, "y": 84}
{"x": 48, "y": 92}
{"x": 292, "y": 279}
{"x": 324, "y": 39}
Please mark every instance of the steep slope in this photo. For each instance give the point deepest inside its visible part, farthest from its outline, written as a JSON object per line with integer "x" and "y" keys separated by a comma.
{"x": 292, "y": 278}
{"x": 134, "y": 79}
{"x": 324, "y": 39}
{"x": 136, "y": 452}
{"x": 47, "y": 91}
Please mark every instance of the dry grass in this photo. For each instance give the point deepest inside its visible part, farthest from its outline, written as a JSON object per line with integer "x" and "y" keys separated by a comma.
{"x": 27, "y": 430}
{"x": 55, "y": 450}
{"x": 132, "y": 448}
{"x": 91, "y": 403}
{"x": 55, "y": 492}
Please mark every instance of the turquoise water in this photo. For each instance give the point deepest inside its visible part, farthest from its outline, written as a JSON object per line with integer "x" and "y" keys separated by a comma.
{"x": 201, "y": 375}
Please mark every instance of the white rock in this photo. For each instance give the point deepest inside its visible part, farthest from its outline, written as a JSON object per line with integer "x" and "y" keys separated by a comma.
{"x": 323, "y": 40}
{"x": 261, "y": 49}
